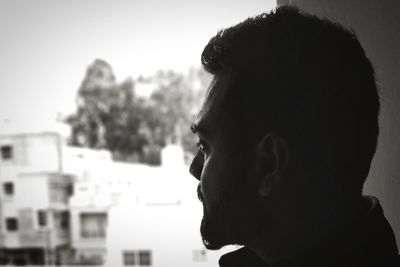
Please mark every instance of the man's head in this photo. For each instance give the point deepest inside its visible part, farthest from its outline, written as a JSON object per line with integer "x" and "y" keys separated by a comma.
{"x": 289, "y": 124}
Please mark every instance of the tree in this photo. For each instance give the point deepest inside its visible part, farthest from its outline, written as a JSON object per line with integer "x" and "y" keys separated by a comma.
{"x": 112, "y": 116}
{"x": 108, "y": 116}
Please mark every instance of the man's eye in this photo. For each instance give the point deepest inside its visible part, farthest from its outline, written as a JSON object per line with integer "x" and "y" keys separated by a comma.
{"x": 201, "y": 147}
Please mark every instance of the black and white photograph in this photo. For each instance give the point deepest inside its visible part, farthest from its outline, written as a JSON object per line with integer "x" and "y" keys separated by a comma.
{"x": 199, "y": 133}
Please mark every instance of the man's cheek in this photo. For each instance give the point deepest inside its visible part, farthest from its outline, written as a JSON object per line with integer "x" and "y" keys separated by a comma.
{"x": 210, "y": 183}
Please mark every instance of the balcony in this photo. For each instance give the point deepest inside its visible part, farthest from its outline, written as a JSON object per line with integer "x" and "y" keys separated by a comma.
{"x": 43, "y": 238}
{"x": 34, "y": 238}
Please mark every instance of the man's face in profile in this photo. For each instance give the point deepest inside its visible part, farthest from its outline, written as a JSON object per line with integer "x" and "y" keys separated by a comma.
{"x": 221, "y": 165}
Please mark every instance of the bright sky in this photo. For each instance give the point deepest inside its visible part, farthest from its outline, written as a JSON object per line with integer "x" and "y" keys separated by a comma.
{"x": 46, "y": 45}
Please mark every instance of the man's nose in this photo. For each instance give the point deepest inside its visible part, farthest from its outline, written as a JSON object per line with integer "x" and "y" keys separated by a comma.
{"x": 196, "y": 167}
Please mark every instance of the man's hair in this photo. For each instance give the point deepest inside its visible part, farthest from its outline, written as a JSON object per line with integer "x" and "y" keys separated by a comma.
{"x": 307, "y": 79}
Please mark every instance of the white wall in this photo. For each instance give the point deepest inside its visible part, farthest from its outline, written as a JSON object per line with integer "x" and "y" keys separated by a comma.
{"x": 31, "y": 153}
{"x": 29, "y": 192}
{"x": 171, "y": 232}
{"x": 377, "y": 25}
{"x": 32, "y": 192}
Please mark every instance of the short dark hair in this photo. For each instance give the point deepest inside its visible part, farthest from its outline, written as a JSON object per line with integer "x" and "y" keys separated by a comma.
{"x": 307, "y": 78}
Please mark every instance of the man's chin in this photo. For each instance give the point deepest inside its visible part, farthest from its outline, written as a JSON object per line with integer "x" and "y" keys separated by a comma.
{"x": 212, "y": 236}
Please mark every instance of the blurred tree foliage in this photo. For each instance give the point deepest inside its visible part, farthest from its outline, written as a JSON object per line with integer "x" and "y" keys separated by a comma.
{"x": 134, "y": 119}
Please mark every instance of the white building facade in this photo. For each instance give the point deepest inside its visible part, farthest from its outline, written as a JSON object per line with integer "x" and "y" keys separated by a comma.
{"x": 34, "y": 193}
{"x": 65, "y": 205}
{"x": 139, "y": 215}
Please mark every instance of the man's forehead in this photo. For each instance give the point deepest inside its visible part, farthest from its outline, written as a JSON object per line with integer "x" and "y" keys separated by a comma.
{"x": 209, "y": 97}
{"x": 213, "y": 110}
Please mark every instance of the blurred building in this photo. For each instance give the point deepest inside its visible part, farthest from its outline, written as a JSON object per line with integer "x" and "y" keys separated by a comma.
{"x": 34, "y": 193}
{"x": 89, "y": 204}
{"x": 139, "y": 215}
{"x": 68, "y": 205}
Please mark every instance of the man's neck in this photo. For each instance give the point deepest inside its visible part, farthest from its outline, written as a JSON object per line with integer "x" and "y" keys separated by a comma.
{"x": 280, "y": 243}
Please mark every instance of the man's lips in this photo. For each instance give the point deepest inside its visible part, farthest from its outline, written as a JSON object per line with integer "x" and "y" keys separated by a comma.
{"x": 200, "y": 194}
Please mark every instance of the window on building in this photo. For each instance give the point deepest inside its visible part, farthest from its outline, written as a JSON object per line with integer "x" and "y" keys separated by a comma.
{"x": 129, "y": 258}
{"x": 70, "y": 190}
{"x": 11, "y": 224}
{"x": 144, "y": 258}
{"x": 59, "y": 193}
{"x": 65, "y": 220}
{"x": 8, "y": 188}
{"x": 137, "y": 258}
{"x": 199, "y": 255}
{"x": 93, "y": 225}
{"x": 6, "y": 152}
{"x": 42, "y": 218}
{"x": 91, "y": 259}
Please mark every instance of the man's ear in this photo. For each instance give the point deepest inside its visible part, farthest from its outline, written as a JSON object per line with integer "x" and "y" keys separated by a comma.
{"x": 273, "y": 157}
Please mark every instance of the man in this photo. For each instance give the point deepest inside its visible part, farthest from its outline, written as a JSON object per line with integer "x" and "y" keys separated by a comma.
{"x": 286, "y": 134}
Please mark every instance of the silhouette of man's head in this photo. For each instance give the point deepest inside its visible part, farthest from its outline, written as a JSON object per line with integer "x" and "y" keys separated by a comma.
{"x": 288, "y": 128}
